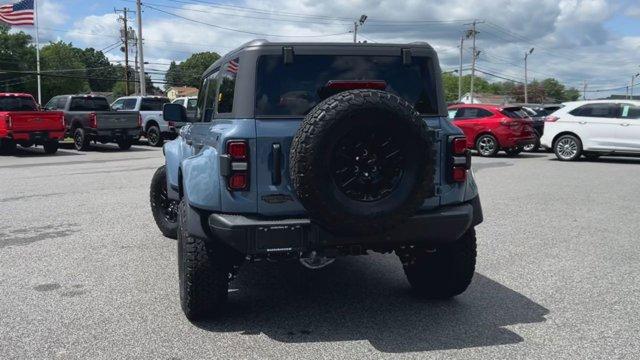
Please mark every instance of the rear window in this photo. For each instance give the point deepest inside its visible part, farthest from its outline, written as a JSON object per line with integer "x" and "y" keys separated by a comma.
{"x": 294, "y": 89}
{"x": 17, "y": 103}
{"x": 515, "y": 113}
{"x": 154, "y": 104}
{"x": 89, "y": 104}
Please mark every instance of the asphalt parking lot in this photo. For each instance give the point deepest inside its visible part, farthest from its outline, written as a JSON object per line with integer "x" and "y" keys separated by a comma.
{"x": 86, "y": 274}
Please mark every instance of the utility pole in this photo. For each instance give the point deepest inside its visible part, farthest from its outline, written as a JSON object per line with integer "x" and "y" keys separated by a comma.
{"x": 460, "y": 70}
{"x": 143, "y": 87}
{"x": 526, "y": 80}
{"x": 357, "y": 24}
{"x": 471, "y": 33}
{"x": 125, "y": 35}
{"x": 633, "y": 79}
{"x": 136, "y": 83}
{"x": 584, "y": 90}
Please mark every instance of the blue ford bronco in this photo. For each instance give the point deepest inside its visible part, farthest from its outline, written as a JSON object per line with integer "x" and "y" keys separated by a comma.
{"x": 310, "y": 151}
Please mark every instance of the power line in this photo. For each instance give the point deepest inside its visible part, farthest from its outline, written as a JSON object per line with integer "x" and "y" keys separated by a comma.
{"x": 238, "y": 30}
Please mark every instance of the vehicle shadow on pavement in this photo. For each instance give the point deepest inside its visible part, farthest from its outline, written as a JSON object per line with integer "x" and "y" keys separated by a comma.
{"x": 107, "y": 148}
{"x": 38, "y": 152}
{"x": 609, "y": 160}
{"x": 368, "y": 298}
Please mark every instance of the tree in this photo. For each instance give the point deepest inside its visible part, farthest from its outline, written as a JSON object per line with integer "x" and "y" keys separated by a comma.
{"x": 72, "y": 79}
{"x": 102, "y": 75}
{"x": 190, "y": 71}
{"x": 16, "y": 55}
{"x": 450, "y": 84}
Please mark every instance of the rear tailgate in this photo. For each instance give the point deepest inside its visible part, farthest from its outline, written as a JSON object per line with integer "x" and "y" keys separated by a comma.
{"x": 29, "y": 121}
{"x": 107, "y": 120}
{"x": 275, "y": 191}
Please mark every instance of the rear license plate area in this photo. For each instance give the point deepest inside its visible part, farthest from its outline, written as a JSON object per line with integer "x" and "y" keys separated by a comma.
{"x": 38, "y": 136}
{"x": 280, "y": 238}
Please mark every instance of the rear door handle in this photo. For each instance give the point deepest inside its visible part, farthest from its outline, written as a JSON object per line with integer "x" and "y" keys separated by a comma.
{"x": 625, "y": 124}
{"x": 582, "y": 122}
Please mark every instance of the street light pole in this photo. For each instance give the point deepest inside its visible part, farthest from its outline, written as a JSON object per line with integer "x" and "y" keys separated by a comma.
{"x": 143, "y": 87}
{"x": 460, "y": 70}
{"x": 526, "y": 80}
{"x": 357, "y": 24}
{"x": 633, "y": 78}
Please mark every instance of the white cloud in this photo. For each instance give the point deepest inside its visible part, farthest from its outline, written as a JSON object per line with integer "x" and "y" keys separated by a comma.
{"x": 570, "y": 39}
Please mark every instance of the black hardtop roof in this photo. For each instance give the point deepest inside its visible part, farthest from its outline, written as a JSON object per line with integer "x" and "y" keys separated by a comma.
{"x": 321, "y": 48}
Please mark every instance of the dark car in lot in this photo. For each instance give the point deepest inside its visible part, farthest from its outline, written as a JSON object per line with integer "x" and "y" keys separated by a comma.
{"x": 491, "y": 128}
{"x": 90, "y": 118}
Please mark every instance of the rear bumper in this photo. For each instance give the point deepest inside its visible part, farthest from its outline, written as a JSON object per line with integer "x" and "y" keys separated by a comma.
{"x": 253, "y": 235}
{"x": 37, "y": 136}
{"x": 115, "y": 133}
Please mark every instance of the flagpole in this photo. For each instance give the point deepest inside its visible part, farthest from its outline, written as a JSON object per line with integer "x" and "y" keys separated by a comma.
{"x": 35, "y": 13}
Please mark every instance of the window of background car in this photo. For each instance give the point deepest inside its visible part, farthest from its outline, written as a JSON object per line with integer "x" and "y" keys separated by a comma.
{"x": 62, "y": 102}
{"x": 227, "y": 87}
{"x": 604, "y": 110}
{"x": 515, "y": 113}
{"x": 629, "y": 111}
{"x": 294, "y": 89}
{"x": 89, "y": 104}
{"x": 452, "y": 113}
{"x": 192, "y": 104}
{"x": 208, "y": 93}
{"x": 17, "y": 103}
{"x": 472, "y": 113}
{"x": 152, "y": 104}
{"x": 117, "y": 105}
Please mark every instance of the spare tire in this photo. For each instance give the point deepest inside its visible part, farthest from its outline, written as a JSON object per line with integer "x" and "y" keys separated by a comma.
{"x": 362, "y": 162}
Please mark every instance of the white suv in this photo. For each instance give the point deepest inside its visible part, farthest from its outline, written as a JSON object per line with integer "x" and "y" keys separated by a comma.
{"x": 593, "y": 128}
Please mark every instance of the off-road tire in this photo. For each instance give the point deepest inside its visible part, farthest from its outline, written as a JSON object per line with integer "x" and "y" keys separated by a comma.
{"x": 154, "y": 136}
{"x": 204, "y": 270}
{"x": 321, "y": 131}
{"x": 574, "y": 150}
{"x": 51, "y": 147}
{"x": 124, "y": 144}
{"x": 166, "y": 220}
{"x": 489, "y": 152}
{"x": 80, "y": 140}
{"x": 445, "y": 272}
{"x": 7, "y": 146}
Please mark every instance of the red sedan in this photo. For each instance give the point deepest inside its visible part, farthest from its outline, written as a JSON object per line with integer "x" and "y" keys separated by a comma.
{"x": 491, "y": 128}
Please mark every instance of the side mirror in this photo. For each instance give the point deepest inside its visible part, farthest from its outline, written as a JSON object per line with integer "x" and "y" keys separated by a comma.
{"x": 174, "y": 112}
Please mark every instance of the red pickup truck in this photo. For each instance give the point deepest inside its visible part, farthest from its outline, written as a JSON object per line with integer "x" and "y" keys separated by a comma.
{"x": 22, "y": 122}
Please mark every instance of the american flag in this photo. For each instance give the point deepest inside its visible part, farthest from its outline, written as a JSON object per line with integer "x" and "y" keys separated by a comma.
{"x": 20, "y": 13}
{"x": 233, "y": 66}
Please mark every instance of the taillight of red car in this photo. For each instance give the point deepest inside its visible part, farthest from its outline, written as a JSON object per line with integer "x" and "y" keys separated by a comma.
{"x": 237, "y": 165}
{"x": 460, "y": 159}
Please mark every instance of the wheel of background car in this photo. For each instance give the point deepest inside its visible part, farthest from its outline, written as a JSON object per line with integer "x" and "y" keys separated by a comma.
{"x": 51, "y": 147}
{"x": 164, "y": 210}
{"x": 362, "y": 162}
{"x": 154, "y": 137}
{"x": 487, "y": 145}
{"x": 532, "y": 147}
{"x": 124, "y": 144}
{"x": 7, "y": 146}
{"x": 568, "y": 148}
{"x": 80, "y": 140}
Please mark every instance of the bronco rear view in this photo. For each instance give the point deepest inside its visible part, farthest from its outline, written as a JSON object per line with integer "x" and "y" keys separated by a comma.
{"x": 311, "y": 151}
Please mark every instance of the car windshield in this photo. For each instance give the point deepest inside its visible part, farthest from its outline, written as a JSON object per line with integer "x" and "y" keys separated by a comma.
{"x": 89, "y": 104}
{"x": 17, "y": 103}
{"x": 153, "y": 104}
{"x": 294, "y": 89}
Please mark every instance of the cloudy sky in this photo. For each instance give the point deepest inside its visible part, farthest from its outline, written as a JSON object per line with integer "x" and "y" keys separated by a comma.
{"x": 597, "y": 41}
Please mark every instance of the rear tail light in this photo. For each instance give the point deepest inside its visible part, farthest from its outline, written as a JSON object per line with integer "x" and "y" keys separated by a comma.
{"x": 171, "y": 123}
{"x": 459, "y": 160}
{"x": 9, "y": 121}
{"x": 93, "y": 120}
{"x": 551, "y": 118}
{"x": 238, "y": 165}
{"x": 139, "y": 120}
{"x": 509, "y": 122}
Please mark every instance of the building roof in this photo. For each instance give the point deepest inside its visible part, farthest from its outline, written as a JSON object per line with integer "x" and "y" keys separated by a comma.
{"x": 490, "y": 98}
{"x": 182, "y": 91}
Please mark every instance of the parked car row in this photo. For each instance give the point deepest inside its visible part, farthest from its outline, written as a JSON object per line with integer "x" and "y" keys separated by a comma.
{"x": 590, "y": 128}
{"x": 85, "y": 119}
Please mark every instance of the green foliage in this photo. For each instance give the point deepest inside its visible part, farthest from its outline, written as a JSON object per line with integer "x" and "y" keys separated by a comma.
{"x": 190, "y": 71}
{"x": 62, "y": 56}
{"x": 100, "y": 71}
{"x": 16, "y": 54}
